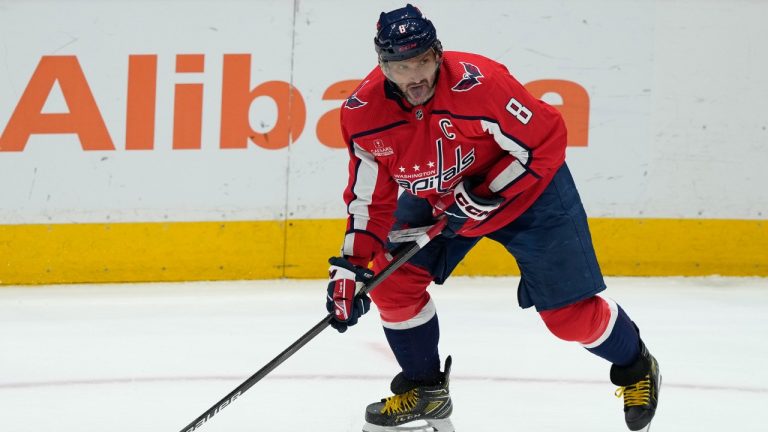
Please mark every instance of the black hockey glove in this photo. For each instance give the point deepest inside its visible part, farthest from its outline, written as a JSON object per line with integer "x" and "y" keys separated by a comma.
{"x": 346, "y": 279}
{"x": 463, "y": 206}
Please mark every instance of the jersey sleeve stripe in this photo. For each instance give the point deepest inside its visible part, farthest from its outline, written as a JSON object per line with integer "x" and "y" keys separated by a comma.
{"x": 508, "y": 143}
{"x": 511, "y": 174}
{"x": 366, "y": 173}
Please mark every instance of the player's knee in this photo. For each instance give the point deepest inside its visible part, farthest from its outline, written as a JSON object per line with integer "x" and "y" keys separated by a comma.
{"x": 402, "y": 295}
{"x": 404, "y": 318}
{"x": 583, "y": 322}
{"x": 394, "y": 309}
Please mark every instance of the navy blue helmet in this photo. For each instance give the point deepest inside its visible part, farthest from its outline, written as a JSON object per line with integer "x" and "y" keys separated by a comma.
{"x": 404, "y": 33}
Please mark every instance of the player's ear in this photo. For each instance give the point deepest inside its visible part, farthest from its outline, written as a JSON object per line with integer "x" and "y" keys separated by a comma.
{"x": 438, "y": 48}
{"x": 438, "y": 59}
{"x": 384, "y": 65}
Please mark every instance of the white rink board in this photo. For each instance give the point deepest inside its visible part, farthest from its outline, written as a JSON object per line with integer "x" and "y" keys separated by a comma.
{"x": 678, "y": 93}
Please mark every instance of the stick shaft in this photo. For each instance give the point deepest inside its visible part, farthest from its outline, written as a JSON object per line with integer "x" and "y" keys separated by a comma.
{"x": 398, "y": 260}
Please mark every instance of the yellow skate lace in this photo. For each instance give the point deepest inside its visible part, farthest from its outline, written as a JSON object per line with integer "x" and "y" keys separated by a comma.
{"x": 400, "y": 403}
{"x": 637, "y": 394}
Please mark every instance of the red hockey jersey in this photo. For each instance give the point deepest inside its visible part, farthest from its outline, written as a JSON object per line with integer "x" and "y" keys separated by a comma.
{"x": 480, "y": 123}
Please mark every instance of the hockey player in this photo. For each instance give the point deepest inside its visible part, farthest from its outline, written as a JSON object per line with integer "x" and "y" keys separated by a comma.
{"x": 466, "y": 141}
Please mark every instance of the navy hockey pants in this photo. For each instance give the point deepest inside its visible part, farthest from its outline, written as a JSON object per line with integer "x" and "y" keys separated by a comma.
{"x": 553, "y": 248}
{"x": 550, "y": 242}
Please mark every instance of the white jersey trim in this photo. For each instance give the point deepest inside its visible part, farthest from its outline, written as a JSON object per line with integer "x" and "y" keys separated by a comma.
{"x": 513, "y": 147}
{"x": 425, "y": 314}
{"x": 365, "y": 184}
{"x": 511, "y": 173}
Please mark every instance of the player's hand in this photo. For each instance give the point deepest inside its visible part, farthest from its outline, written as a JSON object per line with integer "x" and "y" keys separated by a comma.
{"x": 346, "y": 280}
{"x": 463, "y": 206}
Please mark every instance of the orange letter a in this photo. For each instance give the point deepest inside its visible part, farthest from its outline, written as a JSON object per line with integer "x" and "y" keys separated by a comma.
{"x": 83, "y": 118}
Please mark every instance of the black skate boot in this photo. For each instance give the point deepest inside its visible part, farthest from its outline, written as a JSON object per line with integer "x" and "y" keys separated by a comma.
{"x": 639, "y": 383}
{"x": 427, "y": 405}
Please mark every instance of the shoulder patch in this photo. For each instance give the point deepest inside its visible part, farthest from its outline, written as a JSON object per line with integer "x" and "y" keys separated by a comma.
{"x": 471, "y": 78}
{"x": 380, "y": 149}
{"x": 353, "y": 101}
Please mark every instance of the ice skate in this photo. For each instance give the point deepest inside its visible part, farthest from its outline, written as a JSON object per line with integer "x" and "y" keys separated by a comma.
{"x": 640, "y": 384}
{"x": 415, "y": 407}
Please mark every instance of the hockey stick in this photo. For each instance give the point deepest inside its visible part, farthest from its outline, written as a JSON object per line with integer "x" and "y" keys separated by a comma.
{"x": 408, "y": 234}
{"x": 403, "y": 254}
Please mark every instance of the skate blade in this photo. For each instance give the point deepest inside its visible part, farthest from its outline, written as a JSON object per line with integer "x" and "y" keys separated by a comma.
{"x": 432, "y": 425}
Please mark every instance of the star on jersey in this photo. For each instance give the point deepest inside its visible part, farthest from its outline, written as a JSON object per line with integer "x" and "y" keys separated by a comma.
{"x": 439, "y": 177}
{"x": 417, "y": 167}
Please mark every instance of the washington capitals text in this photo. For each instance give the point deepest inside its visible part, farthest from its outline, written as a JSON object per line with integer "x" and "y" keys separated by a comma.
{"x": 445, "y": 177}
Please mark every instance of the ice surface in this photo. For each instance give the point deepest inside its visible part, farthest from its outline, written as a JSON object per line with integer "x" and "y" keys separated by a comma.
{"x": 152, "y": 357}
